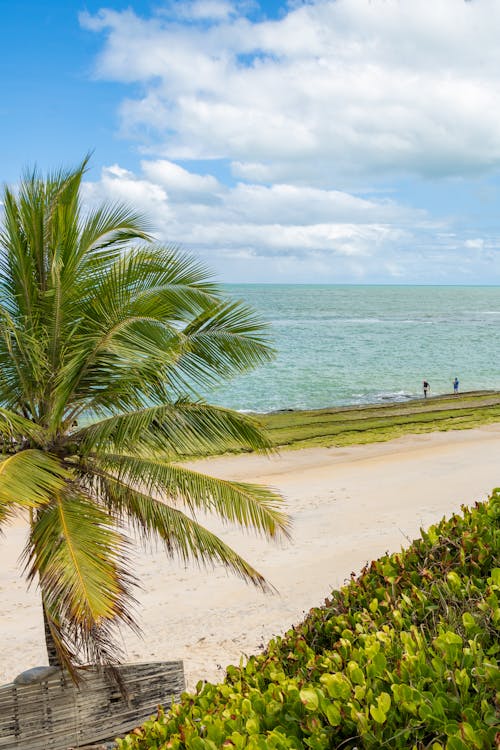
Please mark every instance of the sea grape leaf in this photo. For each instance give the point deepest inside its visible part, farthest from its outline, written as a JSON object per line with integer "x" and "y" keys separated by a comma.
{"x": 378, "y": 714}
{"x": 309, "y": 698}
{"x": 333, "y": 714}
{"x": 337, "y": 686}
{"x": 384, "y": 702}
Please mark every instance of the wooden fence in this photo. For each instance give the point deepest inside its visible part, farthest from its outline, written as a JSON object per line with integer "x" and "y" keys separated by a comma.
{"x": 53, "y": 714}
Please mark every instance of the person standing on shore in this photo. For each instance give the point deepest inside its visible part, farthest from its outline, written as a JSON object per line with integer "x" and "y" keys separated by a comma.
{"x": 455, "y": 386}
{"x": 426, "y": 388}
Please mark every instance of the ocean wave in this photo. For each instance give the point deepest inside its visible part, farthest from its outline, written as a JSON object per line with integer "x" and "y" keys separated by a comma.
{"x": 361, "y": 320}
{"x": 382, "y": 397}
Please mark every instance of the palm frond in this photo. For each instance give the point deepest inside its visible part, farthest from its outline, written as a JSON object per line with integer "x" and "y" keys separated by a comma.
{"x": 29, "y": 479}
{"x": 179, "y": 429}
{"x": 79, "y": 559}
{"x": 182, "y": 536}
{"x": 105, "y": 230}
{"x": 17, "y": 263}
{"x": 149, "y": 288}
{"x": 136, "y": 350}
{"x": 248, "y": 505}
{"x": 223, "y": 340}
{"x": 25, "y": 369}
{"x": 146, "y": 282}
{"x": 14, "y": 429}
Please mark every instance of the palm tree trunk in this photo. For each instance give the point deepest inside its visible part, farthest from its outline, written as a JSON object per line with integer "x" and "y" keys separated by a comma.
{"x": 49, "y": 642}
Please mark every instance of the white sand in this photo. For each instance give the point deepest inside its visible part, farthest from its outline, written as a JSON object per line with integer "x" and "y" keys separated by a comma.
{"x": 348, "y": 505}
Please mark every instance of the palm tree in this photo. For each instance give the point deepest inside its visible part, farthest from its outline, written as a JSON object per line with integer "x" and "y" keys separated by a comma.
{"x": 104, "y": 339}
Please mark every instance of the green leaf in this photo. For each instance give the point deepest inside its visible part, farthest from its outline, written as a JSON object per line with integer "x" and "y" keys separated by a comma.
{"x": 252, "y": 726}
{"x": 251, "y": 506}
{"x": 454, "y": 579}
{"x": 309, "y": 698}
{"x": 495, "y": 576}
{"x": 332, "y": 713}
{"x": 80, "y": 561}
{"x": 377, "y": 714}
{"x": 468, "y": 621}
{"x": 14, "y": 428}
{"x": 30, "y": 479}
{"x": 455, "y": 743}
{"x": 355, "y": 673}
{"x": 336, "y": 685}
{"x": 471, "y": 735}
{"x": 172, "y": 429}
{"x": 183, "y": 536}
{"x": 384, "y": 702}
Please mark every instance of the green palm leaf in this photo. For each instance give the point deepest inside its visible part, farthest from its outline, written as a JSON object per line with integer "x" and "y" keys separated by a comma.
{"x": 25, "y": 370}
{"x": 29, "y": 479}
{"x": 182, "y": 536}
{"x": 132, "y": 313}
{"x": 179, "y": 429}
{"x": 140, "y": 348}
{"x": 223, "y": 340}
{"x": 15, "y": 428}
{"x": 249, "y": 505}
{"x": 80, "y": 561}
{"x": 105, "y": 231}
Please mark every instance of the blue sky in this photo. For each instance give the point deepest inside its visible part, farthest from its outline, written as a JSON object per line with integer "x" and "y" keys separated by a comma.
{"x": 335, "y": 141}
{"x": 52, "y": 110}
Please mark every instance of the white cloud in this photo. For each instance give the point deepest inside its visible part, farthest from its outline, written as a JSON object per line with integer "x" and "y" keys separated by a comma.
{"x": 179, "y": 182}
{"x": 317, "y": 117}
{"x": 332, "y": 90}
{"x": 121, "y": 185}
{"x": 475, "y": 244}
{"x": 127, "y": 187}
{"x": 204, "y": 10}
{"x": 256, "y": 233}
{"x": 292, "y": 204}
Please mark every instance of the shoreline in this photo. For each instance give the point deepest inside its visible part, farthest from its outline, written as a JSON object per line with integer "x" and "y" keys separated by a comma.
{"x": 352, "y": 425}
{"x": 348, "y": 505}
{"x": 380, "y": 404}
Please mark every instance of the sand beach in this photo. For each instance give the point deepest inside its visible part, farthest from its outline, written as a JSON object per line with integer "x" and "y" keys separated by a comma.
{"x": 348, "y": 506}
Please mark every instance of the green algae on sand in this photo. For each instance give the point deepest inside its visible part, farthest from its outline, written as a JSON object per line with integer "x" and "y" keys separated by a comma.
{"x": 353, "y": 425}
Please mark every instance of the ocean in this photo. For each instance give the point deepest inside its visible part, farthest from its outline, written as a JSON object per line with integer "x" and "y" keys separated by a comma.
{"x": 343, "y": 344}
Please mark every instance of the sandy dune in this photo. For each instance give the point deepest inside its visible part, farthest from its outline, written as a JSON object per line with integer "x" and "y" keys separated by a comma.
{"x": 348, "y": 506}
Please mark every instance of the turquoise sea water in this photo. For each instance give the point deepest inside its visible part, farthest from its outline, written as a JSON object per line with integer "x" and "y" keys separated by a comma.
{"x": 368, "y": 344}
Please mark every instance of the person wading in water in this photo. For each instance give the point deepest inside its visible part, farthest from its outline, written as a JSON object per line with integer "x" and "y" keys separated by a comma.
{"x": 426, "y": 388}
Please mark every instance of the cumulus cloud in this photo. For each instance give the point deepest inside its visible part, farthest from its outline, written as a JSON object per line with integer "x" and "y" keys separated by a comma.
{"x": 253, "y": 232}
{"x": 331, "y": 90}
{"x": 180, "y": 183}
{"x": 325, "y": 120}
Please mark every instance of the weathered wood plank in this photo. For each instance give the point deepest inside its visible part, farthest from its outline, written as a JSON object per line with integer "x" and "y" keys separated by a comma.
{"x": 55, "y": 715}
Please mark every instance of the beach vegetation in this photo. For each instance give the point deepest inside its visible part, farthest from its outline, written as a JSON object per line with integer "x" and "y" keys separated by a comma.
{"x": 405, "y": 656}
{"x": 105, "y": 339}
{"x": 340, "y": 426}
{"x": 356, "y": 425}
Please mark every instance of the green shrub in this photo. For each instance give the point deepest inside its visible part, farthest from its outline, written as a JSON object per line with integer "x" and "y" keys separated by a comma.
{"x": 405, "y": 656}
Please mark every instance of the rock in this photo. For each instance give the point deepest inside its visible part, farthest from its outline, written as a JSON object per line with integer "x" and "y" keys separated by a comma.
{"x": 35, "y": 675}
